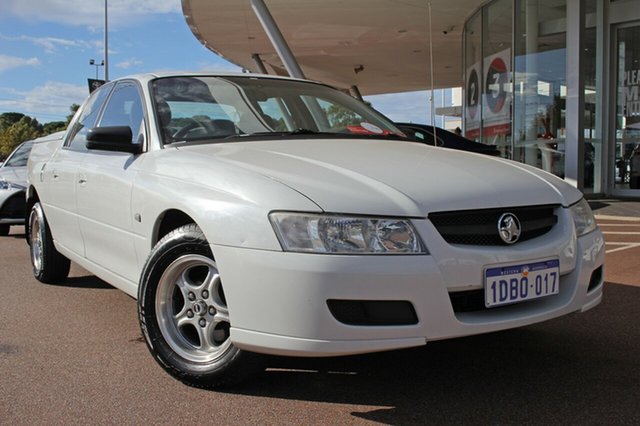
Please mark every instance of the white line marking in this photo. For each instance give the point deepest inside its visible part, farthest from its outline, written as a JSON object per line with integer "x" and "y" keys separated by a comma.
{"x": 630, "y": 246}
{"x": 617, "y": 218}
{"x": 621, "y": 233}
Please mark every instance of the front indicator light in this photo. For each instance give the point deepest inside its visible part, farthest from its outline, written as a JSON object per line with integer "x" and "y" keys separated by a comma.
{"x": 583, "y": 218}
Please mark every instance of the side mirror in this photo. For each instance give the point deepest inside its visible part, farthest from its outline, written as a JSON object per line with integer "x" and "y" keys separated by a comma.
{"x": 112, "y": 138}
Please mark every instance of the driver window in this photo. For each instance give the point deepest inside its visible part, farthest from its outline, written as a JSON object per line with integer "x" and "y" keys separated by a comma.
{"x": 124, "y": 108}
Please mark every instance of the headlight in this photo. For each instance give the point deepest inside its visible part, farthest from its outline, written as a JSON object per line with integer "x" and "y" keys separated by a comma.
{"x": 311, "y": 233}
{"x": 583, "y": 217}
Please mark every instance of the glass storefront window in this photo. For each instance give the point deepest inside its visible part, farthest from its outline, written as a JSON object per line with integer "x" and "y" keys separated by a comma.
{"x": 497, "y": 88}
{"x": 627, "y": 148}
{"x": 515, "y": 72}
{"x": 473, "y": 76}
{"x": 540, "y": 84}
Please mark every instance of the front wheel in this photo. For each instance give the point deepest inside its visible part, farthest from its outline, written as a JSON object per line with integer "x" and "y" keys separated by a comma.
{"x": 184, "y": 316}
{"x": 49, "y": 266}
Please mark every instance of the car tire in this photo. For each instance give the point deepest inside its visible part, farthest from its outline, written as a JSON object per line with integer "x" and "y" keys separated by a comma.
{"x": 183, "y": 313}
{"x": 4, "y": 230}
{"x": 49, "y": 266}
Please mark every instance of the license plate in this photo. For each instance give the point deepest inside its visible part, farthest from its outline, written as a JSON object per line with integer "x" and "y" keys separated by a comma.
{"x": 516, "y": 283}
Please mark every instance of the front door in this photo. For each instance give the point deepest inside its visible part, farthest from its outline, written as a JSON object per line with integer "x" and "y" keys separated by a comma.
{"x": 105, "y": 183}
{"x": 626, "y": 167}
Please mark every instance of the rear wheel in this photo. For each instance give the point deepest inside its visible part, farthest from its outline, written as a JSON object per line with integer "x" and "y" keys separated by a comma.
{"x": 4, "y": 230}
{"x": 49, "y": 266}
{"x": 184, "y": 316}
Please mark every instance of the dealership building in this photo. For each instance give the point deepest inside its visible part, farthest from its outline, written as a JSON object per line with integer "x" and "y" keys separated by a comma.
{"x": 553, "y": 83}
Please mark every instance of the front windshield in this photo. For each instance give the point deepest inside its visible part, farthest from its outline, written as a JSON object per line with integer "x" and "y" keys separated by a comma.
{"x": 200, "y": 108}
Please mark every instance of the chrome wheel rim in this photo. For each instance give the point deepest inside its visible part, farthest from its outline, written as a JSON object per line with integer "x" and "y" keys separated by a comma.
{"x": 36, "y": 237}
{"x": 191, "y": 309}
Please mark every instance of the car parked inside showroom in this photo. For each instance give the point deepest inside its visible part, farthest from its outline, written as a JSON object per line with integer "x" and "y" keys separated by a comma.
{"x": 257, "y": 215}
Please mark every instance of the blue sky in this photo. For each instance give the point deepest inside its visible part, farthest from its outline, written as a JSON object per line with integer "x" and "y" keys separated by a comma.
{"x": 45, "y": 47}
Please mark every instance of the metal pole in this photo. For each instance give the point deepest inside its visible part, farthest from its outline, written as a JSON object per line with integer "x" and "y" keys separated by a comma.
{"x": 106, "y": 44}
{"x": 355, "y": 92}
{"x": 433, "y": 105}
{"x": 574, "y": 141}
{"x": 259, "y": 63}
{"x": 278, "y": 41}
{"x": 601, "y": 166}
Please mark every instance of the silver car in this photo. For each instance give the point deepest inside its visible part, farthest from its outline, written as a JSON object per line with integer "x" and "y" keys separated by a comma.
{"x": 13, "y": 181}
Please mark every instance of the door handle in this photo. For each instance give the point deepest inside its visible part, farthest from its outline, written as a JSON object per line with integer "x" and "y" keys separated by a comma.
{"x": 55, "y": 174}
{"x": 82, "y": 179}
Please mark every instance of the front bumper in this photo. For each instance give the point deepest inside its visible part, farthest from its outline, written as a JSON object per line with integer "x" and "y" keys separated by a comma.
{"x": 278, "y": 301}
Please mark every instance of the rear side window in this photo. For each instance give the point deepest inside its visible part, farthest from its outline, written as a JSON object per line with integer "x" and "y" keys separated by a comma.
{"x": 88, "y": 117}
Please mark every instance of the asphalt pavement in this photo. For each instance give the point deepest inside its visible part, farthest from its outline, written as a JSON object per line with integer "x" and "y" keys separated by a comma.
{"x": 73, "y": 354}
{"x": 616, "y": 208}
{"x": 619, "y": 221}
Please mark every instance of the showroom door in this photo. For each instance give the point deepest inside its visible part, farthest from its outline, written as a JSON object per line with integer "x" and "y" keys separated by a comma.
{"x": 626, "y": 168}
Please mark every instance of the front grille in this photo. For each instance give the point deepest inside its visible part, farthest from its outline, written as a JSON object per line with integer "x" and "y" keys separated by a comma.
{"x": 14, "y": 207}
{"x": 480, "y": 227}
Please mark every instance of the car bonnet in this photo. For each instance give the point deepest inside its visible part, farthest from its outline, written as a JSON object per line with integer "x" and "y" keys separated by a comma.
{"x": 391, "y": 177}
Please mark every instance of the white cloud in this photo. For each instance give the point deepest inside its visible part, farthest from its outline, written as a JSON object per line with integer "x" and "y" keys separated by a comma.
{"x": 53, "y": 99}
{"x": 132, "y": 62}
{"x": 9, "y": 62}
{"x": 87, "y": 13}
{"x": 52, "y": 44}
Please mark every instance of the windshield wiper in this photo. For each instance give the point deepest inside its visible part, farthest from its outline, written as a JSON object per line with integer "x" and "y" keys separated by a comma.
{"x": 298, "y": 131}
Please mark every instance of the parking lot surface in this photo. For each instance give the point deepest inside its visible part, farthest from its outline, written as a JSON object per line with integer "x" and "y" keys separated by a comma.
{"x": 73, "y": 354}
{"x": 622, "y": 239}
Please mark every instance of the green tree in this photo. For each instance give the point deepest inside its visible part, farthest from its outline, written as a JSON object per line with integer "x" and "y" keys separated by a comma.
{"x": 53, "y": 126}
{"x": 23, "y": 130}
{"x": 9, "y": 118}
{"x": 16, "y": 128}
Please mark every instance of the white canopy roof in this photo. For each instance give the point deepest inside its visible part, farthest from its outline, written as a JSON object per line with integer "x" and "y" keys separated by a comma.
{"x": 387, "y": 40}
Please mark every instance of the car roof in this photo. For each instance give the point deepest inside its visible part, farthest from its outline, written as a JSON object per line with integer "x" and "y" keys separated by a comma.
{"x": 146, "y": 77}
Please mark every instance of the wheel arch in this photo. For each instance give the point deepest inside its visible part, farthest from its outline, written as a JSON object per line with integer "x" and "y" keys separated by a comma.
{"x": 32, "y": 198}
{"x": 169, "y": 220}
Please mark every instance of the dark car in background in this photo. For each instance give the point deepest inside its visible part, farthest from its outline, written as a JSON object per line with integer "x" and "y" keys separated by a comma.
{"x": 444, "y": 138}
